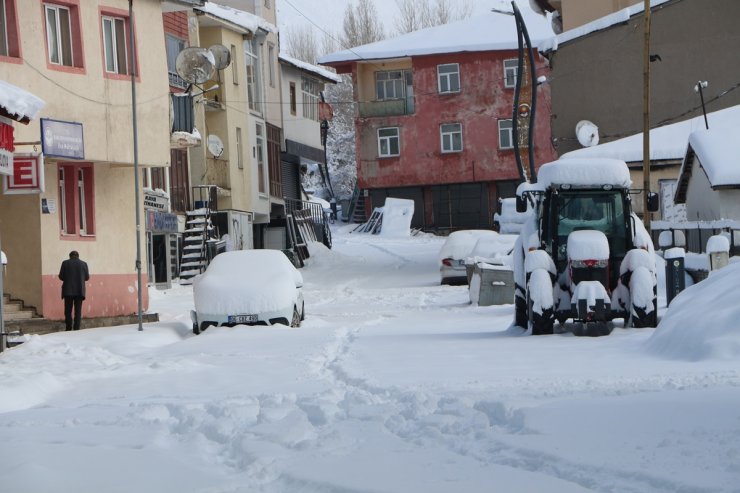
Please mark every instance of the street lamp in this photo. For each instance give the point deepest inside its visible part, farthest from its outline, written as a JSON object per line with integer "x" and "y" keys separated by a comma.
{"x": 702, "y": 84}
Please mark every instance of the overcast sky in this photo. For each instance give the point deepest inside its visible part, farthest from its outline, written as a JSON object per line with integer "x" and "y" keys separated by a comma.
{"x": 328, "y": 14}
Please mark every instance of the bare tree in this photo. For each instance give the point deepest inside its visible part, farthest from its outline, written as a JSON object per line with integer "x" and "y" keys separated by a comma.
{"x": 420, "y": 14}
{"x": 300, "y": 43}
{"x": 361, "y": 24}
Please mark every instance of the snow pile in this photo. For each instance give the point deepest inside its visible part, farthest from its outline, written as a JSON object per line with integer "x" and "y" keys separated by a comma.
{"x": 493, "y": 249}
{"x": 684, "y": 332}
{"x": 718, "y": 244}
{"x": 588, "y": 245}
{"x": 397, "y": 215}
{"x": 246, "y": 282}
{"x": 308, "y": 67}
{"x": 246, "y": 20}
{"x": 718, "y": 150}
{"x": 460, "y": 243}
{"x": 578, "y": 172}
{"x": 18, "y": 102}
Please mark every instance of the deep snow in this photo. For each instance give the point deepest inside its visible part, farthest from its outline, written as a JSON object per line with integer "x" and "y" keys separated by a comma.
{"x": 393, "y": 383}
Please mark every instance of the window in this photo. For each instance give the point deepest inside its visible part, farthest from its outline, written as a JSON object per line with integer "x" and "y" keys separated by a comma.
{"x": 114, "y": 45}
{"x": 76, "y": 199}
{"x": 254, "y": 78}
{"x": 448, "y": 77}
{"x": 389, "y": 85}
{"x": 505, "y": 134}
{"x": 234, "y": 69}
{"x": 310, "y": 90}
{"x": 451, "y": 135}
{"x": 260, "y": 149}
{"x": 239, "y": 158}
{"x": 292, "y": 99}
{"x": 9, "y": 45}
{"x": 271, "y": 63}
{"x": 59, "y": 35}
{"x": 511, "y": 68}
{"x": 174, "y": 46}
{"x": 388, "y": 142}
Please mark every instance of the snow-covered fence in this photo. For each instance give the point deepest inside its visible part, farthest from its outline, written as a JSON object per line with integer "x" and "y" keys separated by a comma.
{"x": 697, "y": 233}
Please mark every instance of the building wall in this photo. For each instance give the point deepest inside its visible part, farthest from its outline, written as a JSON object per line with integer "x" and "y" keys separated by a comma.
{"x": 656, "y": 175}
{"x": 729, "y": 204}
{"x": 296, "y": 127}
{"x": 102, "y": 104}
{"x": 479, "y": 105}
{"x": 702, "y": 203}
{"x": 578, "y": 12}
{"x": 598, "y": 77}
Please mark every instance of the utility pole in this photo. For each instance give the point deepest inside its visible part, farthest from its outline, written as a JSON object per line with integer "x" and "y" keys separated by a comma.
{"x": 699, "y": 87}
{"x": 646, "y": 216}
{"x": 132, "y": 67}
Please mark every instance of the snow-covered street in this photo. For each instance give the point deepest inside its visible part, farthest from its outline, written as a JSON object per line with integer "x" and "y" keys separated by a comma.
{"x": 393, "y": 383}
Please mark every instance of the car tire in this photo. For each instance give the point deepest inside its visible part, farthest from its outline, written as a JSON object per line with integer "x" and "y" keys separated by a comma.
{"x": 296, "y": 322}
{"x": 303, "y": 311}
{"x": 196, "y": 329}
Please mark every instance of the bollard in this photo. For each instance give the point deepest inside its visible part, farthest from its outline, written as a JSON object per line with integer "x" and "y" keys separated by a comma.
{"x": 718, "y": 248}
{"x": 675, "y": 274}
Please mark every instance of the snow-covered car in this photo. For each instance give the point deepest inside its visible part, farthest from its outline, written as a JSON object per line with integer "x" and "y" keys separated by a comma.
{"x": 248, "y": 287}
{"x": 455, "y": 250}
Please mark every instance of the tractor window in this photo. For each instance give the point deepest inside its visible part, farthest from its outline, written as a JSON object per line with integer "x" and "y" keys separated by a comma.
{"x": 602, "y": 211}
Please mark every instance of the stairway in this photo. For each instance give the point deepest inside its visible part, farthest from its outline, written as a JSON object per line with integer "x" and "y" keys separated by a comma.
{"x": 15, "y": 310}
{"x": 198, "y": 229}
{"x": 357, "y": 213}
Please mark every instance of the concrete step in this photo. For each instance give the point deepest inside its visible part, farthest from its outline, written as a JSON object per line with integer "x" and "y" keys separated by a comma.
{"x": 20, "y": 315}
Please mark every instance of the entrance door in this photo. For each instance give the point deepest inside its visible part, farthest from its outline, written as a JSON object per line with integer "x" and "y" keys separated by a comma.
{"x": 159, "y": 258}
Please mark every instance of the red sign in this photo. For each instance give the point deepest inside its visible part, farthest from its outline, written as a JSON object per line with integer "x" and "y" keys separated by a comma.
{"x": 325, "y": 111}
{"x": 28, "y": 175}
{"x": 6, "y": 137}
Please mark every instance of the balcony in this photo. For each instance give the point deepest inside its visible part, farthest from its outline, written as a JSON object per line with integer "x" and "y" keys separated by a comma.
{"x": 391, "y": 107}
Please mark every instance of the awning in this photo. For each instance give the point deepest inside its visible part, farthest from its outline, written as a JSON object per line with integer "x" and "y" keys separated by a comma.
{"x": 17, "y": 104}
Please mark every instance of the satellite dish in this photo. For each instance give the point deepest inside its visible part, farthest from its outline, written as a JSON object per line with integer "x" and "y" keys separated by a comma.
{"x": 195, "y": 65}
{"x": 587, "y": 133}
{"x": 215, "y": 146}
{"x": 221, "y": 55}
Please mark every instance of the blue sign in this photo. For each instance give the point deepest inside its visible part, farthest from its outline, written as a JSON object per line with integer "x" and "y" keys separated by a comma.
{"x": 162, "y": 222}
{"x": 62, "y": 139}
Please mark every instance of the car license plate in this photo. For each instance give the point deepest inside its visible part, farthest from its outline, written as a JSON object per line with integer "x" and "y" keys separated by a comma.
{"x": 242, "y": 319}
{"x": 461, "y": 263}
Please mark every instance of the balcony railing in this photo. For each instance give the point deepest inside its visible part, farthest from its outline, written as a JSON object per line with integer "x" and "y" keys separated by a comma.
{"x": 391, "y": 107}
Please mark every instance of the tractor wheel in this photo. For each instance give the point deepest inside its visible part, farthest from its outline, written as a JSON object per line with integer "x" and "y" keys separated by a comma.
{"x": 542, "y": 323}
{"x": 598, "y": 329}
{"x": 641, "y": 319}
{"x": 520, "y": 312}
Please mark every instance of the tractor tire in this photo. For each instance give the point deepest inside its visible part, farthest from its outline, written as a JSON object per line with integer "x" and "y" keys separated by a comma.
{"x": 542, "y": 323}
{"x": 520, "y": 312}
{"x": 641, "y": 319}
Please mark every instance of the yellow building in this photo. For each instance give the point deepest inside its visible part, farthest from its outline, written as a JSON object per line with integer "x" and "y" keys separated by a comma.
{"x": 76, "y": 57}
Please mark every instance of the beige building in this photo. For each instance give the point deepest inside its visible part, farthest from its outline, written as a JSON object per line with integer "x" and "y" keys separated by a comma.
{"x": 575, "y": 13}
{"x": 76, "y": 58}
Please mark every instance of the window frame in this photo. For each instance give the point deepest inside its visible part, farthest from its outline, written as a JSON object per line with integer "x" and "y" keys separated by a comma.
{"x": 239, "y": 149}
{"x": 76, "y": 189}
{"x": 509, "y": 132}
{"x": 292, "y": 96}
{"x": 451, "y": 136}
{"x": 511, "y": 72}
{"x": 120, "y": 15}
{"x": 261, "y": 149}
{"x": 174, "y": 78}
{"x": 254, "y": 75}
{"x": 388, "y": 139}
{"x": 10, "y": 32}
{"x": 448, "y": 77}
{"x": 114, "y": 25}
{"x": 234, "y": 66}
{"x": 271, "y": 64}
{"x": 310, "y": 95}
{"x": 383, "y": 77}
{"x": 77, "y": 58}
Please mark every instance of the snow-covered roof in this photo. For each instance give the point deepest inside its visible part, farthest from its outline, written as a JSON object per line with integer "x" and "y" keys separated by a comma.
{"x": 605, "y": 22}
{"x": 718, "y": 150}
{"x": 666, "y": 143}
{"x": 247, "y": 20}
{"x": 19, "y": 103}
{"x": 308, "y": 67}
{"x": 487, "y": 32}
{"x": 583, "y": 172}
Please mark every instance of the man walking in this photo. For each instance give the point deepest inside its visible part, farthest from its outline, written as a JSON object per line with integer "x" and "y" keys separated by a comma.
{"x": 73, "y": 275}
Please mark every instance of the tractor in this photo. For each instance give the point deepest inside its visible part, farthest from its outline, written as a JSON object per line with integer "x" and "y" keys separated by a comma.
{"x": 583, "y": 255}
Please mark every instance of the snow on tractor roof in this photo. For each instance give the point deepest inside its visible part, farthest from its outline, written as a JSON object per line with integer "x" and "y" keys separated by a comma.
{"x": 583, "y": 172}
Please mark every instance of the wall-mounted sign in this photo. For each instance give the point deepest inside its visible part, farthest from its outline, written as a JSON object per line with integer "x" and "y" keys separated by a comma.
{"x": 62, "y": 139}
{"x": 27, "y": 175}
{"x": 161, "y": 222}
{"x": 48, "y": 206}
{"x": 6, "y": 162}
{"x": 156, "y": 201}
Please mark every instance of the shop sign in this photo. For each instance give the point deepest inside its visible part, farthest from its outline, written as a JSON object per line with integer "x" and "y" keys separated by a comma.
{"x": 27, "y": 176}
{"x": 155, "y": 201}
{"x": 62, "y": 139}
{"x": 6, "y": 162}
{"x": 161, "y": 222}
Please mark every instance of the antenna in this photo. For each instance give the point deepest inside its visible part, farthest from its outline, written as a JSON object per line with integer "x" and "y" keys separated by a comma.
{"x": 587, "y": 133}
{"x": 221, "y": 55}
{"x": 195, "y": 65}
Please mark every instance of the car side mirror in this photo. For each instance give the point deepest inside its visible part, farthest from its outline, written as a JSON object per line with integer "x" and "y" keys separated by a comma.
{"x": 521, "y": 204}
{"x": 653, "y": 202}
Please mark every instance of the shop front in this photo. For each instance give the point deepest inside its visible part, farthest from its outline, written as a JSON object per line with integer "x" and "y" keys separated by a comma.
{"x": 162, "y": 239}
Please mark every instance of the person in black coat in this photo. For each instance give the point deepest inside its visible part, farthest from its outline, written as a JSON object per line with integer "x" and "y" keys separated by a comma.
{"x": 73, "y": 275}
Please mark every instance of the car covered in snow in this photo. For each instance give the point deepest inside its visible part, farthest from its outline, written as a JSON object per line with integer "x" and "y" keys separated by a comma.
{"x": 455, "y": 251}
{"x": 248, "y": 287}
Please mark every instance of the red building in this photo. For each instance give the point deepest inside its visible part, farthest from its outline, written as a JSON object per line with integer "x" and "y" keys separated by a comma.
{"x": 433, "y": 118}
